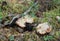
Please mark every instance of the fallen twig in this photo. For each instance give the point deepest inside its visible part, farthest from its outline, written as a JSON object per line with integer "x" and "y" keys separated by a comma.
{"x": 26, "y": 12}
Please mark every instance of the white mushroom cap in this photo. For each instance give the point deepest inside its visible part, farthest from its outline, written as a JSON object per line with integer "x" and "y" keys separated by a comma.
{"x": 57, "y": 17}
{"x": 43, "y": 28}
{"x": 21, "y": 21}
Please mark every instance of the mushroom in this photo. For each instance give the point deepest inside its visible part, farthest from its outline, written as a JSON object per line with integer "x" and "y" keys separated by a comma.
{"x": 58, "y": 18}
{"x": 23, "y": 20}
{"x": 43, "y": 28}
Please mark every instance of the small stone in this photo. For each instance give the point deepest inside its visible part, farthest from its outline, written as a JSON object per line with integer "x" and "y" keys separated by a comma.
{"x": 43, "y": 28}
{"x": 58, "y": 18}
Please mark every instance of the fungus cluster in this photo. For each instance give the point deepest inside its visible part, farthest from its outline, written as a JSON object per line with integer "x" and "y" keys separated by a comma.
{"x": 27, "y": 21}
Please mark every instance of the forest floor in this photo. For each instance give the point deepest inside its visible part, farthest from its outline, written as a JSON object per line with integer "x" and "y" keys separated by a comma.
{"x": 18, "y": 7}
